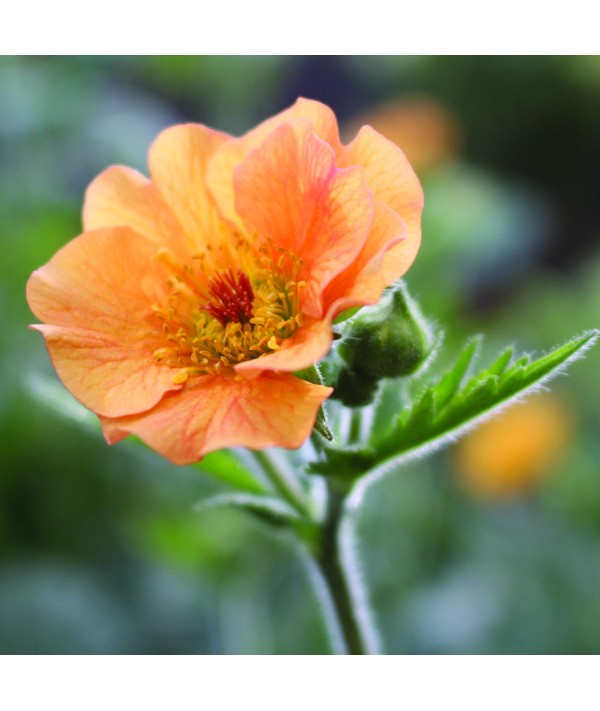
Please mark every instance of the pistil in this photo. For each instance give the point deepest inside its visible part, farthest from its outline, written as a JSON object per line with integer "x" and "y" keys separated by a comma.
{"x": 236, "y": 314}
{"x": 232, "y": 297}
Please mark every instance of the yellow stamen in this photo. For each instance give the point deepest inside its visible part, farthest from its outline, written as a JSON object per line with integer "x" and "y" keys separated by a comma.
{"x": 202, "y": 339}
{"x": 180, "y": 378}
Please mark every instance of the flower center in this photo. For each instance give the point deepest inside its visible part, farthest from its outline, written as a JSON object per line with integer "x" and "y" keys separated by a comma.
{"x": 232, "y": 297}
{"x": 218, "y": 315}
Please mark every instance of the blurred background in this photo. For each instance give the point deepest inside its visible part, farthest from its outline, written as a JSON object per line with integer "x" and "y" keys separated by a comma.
{"x": 492, "y": 546}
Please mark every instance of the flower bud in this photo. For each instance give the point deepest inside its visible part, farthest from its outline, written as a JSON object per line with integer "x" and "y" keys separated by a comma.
{"x": 389, "y": 340}
{"x": 354, "y": 390}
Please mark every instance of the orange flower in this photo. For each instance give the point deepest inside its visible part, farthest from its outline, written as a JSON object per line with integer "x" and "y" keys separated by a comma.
{"x": 183, "y": 310}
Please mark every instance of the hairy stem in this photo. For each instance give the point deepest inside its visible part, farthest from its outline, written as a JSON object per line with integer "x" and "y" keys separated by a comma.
{"x": 332, "y": 565}
{"x": 334, "y": 570}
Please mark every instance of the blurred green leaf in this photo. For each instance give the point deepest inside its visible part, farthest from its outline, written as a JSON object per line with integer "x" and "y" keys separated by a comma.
{"x": 224, "y": 465}
{"x": 267, "y": 508}
{"x": 52, "y": 394}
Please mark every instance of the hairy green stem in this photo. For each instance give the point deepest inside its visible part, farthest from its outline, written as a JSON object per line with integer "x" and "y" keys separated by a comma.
{"x": 334, "y": 573}
{"x": 337, "y": 579}
{"x": 324, "y": 596}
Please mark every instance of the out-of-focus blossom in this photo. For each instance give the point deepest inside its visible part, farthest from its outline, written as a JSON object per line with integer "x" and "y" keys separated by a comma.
{"x": 427, "y": 132}
{"x": 508, "y": 456}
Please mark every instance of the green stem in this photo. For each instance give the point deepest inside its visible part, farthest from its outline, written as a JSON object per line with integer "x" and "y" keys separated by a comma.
{"x": 327, "y": 605}
{"x": 337, "y": 579}
{"x": 284, "y": 487}
{"x": 334, "y": 570}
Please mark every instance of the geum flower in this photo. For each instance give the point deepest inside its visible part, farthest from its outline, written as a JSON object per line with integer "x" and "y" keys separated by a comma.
{"x": 183, "y": 310}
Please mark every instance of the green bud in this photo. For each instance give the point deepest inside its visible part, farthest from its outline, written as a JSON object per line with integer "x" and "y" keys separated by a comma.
{"x": 353, "y": 389}
{"x": 388, "y": 340}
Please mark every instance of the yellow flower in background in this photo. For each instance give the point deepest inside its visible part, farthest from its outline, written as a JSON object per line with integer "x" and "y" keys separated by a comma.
{"x": 507, "y": 456}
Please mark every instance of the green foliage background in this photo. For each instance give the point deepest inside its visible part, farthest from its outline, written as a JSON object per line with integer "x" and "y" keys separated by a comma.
{"x": 101, "y": 550}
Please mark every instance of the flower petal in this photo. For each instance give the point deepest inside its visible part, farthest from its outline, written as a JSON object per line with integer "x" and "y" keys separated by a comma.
{"x": 310, "y": 343}
{"x": 221, "y": 168}
{"x": 178, "y": 162}
{"x": 394, "y": 183}
{"x": 121, "y": 196}
{"x": 214, "y": 412}
{"x": 360, "y": 284}
{"x": 320, "y": 116}
{"x": 289, "y": 192}
{"x": 95, "y": 295}
{"x": 365, "y": 279}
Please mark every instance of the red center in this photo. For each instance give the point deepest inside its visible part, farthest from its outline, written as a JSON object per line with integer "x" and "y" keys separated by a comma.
{"x": 232, "y": 297}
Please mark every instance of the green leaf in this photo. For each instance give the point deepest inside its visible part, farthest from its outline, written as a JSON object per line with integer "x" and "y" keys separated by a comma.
{"x": 451, "y": 381}
{"x": 355, "y": 458}
{"x": 267, "y": 508}
{"x": 499, "y": 365}
{"x": 222, "y": 465}
{"x": 52, "y": 393}
{"x": 450, "y": 407}
{"x": 225, "y": 466}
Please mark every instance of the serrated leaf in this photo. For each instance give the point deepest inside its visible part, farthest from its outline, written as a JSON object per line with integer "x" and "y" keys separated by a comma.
{"x": 450, "y": 407}
{"x": 499, "y": 365}
{"x": 451, "y": 381}
{"x": 267, "y": 508}
{"x": 423, "y": 410}
{"x": 480, "y": 395}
